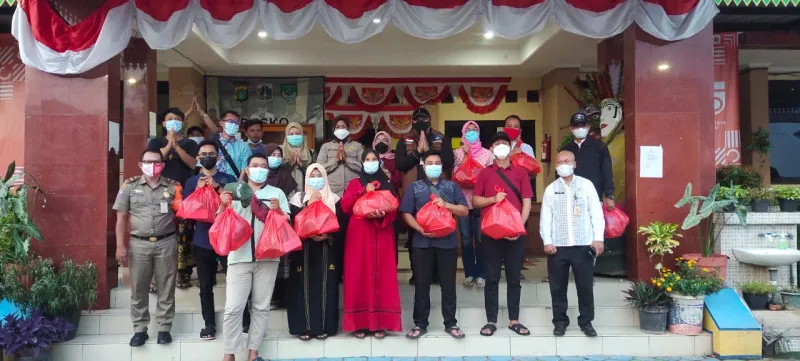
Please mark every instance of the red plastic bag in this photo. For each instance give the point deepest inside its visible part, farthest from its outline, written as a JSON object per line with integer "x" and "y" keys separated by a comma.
{"x": 435, "y": 219}
{"x": 277, "y": 238}
{"x": 229, "y": 232}
{"x": 314, "y": 220}
{"x": 201, "y": 205}
{"x": 616, "y": 222}
{"x": 467, "y": 173}
{"x": 501, "y": 220}
{"x": 376, "y": 200}
{"x": 525, "y": 161}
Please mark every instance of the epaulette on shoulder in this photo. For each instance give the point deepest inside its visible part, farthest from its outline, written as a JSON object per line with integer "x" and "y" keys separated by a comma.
{"x": 132, "y": 179}
{"x": 171, "y": 181}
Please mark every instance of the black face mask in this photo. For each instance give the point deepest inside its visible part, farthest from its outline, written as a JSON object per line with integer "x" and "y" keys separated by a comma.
{"x": 208, "y": 162}
{"x": 381, "y": 148}
{"x": 421, "y": 126}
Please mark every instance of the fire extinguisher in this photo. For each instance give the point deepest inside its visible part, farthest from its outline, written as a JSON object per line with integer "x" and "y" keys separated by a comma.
{"x": 546, "y": 149}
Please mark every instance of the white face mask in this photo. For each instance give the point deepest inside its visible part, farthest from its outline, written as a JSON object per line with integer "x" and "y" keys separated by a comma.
{"x": 580, "y": 133}
{"x": 565, "y": 170}
{"x": 341, "y": 133}
{"x": 197, "y": 140}
{"x": 501, "y": 151}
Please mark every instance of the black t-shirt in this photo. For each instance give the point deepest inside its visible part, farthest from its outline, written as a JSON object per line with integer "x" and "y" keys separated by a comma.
{"x": 175, "y": 168}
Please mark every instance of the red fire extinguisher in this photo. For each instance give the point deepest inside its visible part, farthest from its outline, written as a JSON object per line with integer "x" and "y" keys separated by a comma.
{"x": 546, "y": 149}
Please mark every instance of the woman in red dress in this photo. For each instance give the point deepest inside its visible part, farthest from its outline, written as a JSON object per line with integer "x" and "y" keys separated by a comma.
{"x": 371, "y": 291}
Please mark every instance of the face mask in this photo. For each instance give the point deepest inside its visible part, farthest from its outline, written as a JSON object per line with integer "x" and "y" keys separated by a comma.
{"x": 274, "y": 162}
{"x": 252, "y": 142}
{"x": 257, "y": 174}
{"x": 371, "y": 167}
{"x": 315, "y": 183}
{"x": 208, "y": 162}
{"x": 382, "y": 148}
{"x": 580, "y": 133}
{"x": 152, "y": 170}
{"x": 421, "y": 126}
{"x": 501, "y": 151}
{"x": 471, "y": 136}
{"x": 197, "y": 140}
{"x": 513, "y": 133}
{"x": 433, "y": 171}
{"x": 294, "y": 140}
{"x": 565, "y": 170}
{"x": 173, "y": 125}
{"x": 231, "y": 129}
{"x": 341, "y": 133}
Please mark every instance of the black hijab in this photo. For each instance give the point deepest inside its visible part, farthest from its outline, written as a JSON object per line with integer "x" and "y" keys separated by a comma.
{"x": 380, "y": 175}
{"x": 280, "y": 177}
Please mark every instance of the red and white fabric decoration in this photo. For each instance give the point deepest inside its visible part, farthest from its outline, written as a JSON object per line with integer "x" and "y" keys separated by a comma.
{"x": 372, "y": 98}
{"x": 53, "y": 46}
{"x": 418, "y": 95}
{"x": 482, "y": 98}
{"x": 394, "y": 119}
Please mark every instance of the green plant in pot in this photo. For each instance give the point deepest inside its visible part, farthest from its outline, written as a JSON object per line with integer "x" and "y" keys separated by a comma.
{"x": 756, "y": 293}
{"x": 787, "y": 198}
{"x": 17, "y": 228}
{"x": 791, "y": 298}
{"x": 652, "y": 303}
{"x": 741, "y": 195}
{"x": 738, "y": 175}
{"x": 660, "y": 239}
{"x": 761, "y": 199}
{"x": 687, "y": 286}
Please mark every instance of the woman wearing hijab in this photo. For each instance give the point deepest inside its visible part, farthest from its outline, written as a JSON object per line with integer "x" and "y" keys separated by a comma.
{"x": 382, "y": 144}
{"x": 470, "y": 225}
{"x": 314, "y": 272}
{"x": 341, "y": 157}
{"x": 295, "y": 153}
{"x": 371, "y": 291}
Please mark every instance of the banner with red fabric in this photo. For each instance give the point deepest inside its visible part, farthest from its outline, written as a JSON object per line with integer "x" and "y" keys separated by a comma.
{"x": 393, "y": 119}
{"x": 728, "y": 147}
{"x": 48, "y": 43}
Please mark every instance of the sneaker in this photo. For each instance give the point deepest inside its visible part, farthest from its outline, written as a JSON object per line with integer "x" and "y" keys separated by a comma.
{"x": 208, "y": 333}
{"x": 480, "y": 282}
{"x": 469, "y": 281}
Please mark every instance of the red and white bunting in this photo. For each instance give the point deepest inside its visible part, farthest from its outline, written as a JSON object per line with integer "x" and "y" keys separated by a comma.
{"x": 50, "y": 44}
{"x": 372, "y": 97}
{"x": 482, "y": 98}
{"x": 417, "y": 95}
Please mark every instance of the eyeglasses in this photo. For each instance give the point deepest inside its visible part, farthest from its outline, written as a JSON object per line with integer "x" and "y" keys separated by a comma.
{"x": 206, "y": 155}
{"x": 232, "y": 121}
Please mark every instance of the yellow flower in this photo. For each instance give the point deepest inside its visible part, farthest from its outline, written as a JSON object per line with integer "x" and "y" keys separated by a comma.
{"x": 677, "y": 278}
{"x": 658, "y": 284}
{"x": 705, "y": 269}
{"x": 669, "y": 289}
{"x": 654, "y": 280}
{"x": 662, "y": 279}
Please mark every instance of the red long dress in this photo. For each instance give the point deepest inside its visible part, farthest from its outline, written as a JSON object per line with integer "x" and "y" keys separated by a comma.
{"x": 371, "y": 290}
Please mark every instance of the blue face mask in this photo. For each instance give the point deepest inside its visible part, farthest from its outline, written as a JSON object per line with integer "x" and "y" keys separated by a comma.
{"x": 231, "y": 129}
{"x": 257, "y": 174}
{"x": 294, "y": 140}
{"x": 471, "y": 136}
{"x": 274, "y": 162}
{"x": 371, "y": 167}
{"x": 316, "y": 183}
{"x": 173, "y": 125}
{"x": 433, "y": 171}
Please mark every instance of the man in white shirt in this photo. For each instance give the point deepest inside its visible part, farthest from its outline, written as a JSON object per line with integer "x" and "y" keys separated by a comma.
{"x": 572, "y": 228}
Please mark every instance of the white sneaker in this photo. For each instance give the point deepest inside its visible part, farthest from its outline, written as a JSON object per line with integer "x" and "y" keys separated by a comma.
{"x": 480, "y": 282}
{"x": 469, "y": 281}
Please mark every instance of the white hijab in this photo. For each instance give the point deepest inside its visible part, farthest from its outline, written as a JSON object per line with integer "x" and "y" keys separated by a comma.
{"x": 328, "y": 197}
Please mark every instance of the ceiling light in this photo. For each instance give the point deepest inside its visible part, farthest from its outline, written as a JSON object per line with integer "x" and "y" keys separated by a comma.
{"x": 489, "y": 34}
{"x": 131, "y": 81}
{"x": 262, "y": 34}
{"x": 663, "y": 67}
{"x": 376, "y": 21}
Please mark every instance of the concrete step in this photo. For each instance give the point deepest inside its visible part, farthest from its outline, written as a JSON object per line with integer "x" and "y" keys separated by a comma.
{"x": 613, "y": 341}
{"x": 190, "y": 321}
{"x": 784, "y": 322}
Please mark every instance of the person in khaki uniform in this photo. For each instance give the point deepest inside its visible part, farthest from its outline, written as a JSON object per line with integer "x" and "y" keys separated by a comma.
{"x": 145, "y": 204}
{"x": 341, "y": 157}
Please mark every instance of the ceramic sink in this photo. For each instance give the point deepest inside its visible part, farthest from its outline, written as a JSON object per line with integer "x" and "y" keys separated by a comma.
{"x": 767, "y": 257}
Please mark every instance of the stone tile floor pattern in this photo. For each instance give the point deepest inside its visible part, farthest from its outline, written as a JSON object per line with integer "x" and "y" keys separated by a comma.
{"x": 541, "y": 358}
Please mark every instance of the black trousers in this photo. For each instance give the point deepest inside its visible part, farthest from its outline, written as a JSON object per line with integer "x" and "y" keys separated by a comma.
{"x": 206, "y": 260}
{"x": 430, "y": 261}
{"x": 496, "y": 254}
{"x": 581, "y": 259}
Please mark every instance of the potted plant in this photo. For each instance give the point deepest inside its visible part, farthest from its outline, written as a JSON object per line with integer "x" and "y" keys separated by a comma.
{"x": 699, "y": 217}
{"x": 737, "y": 175}
{"x": 660, "y": 239}
{"x": 787, "y": 198}
{"x": 761, "y": 199}
{"x": 17, "y": 229}
{"x": 653, "y": 305}
{"x": 791, "y": 298}
{"x": 30, "y": 338}
{"x": 735, "y": 192}
{"x": 687, "y": 287}
{"x": 756, "y": 293}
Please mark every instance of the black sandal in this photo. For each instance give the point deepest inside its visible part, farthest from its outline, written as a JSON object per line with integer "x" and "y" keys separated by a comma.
{"x": 410, "y": 335}
{"x": 322, "y": 337}
{"x": 488, "y": 327}
{"x": 455, "y": 332}
{"x": 518, "y": 327}
{"x": 380, "y": 334}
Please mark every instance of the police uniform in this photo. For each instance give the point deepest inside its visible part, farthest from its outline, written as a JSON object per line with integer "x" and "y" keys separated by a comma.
{"x": 153, "y": 248}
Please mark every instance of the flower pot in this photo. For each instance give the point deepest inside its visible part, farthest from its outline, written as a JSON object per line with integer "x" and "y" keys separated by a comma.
{"x": 653, "y": 319}
{"x": 755, "y": 302}
{"x": 760, "y": 205}
{"x": 791, "y": 300}
{"x": 686, "y": 314}
{"x": 716, "y": 264}
{"x": 788, "y": 205}
{"x": 729, "y": 208}
{"x": 75, "y": 319}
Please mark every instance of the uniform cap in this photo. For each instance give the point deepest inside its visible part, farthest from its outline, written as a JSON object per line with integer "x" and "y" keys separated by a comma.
{"x": 420, "y": 113}
{"x": 579, "y": 118}
{"x": 240, "y": 191}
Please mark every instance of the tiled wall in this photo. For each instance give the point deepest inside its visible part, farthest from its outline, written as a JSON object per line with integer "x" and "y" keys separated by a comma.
{"x": 734, "y": 235}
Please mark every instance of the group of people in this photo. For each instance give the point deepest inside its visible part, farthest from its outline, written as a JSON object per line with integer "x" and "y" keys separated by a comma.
{"x": 254, "y": 179}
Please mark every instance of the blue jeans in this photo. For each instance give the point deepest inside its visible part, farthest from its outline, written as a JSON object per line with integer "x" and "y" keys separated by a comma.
{"x": 471, "y": 255}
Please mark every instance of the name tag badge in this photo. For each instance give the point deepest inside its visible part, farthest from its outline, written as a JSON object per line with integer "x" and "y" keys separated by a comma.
{"x": 577, "y": 211}
{"x": 164, "y": 208}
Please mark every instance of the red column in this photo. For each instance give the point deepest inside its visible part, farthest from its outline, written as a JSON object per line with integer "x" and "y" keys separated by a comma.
{"x": 12, "y": 104}
{"x": 672, "y": 108}
{"x": 139, "y": 99}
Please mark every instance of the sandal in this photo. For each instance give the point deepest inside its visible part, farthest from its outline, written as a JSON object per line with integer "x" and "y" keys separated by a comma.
{"x": 322, "y": 337}
{"x": 520, "y": 329}
{"x": 411, "y": 333}
{"x": 455, "y": 332}
{"x": 379, "y": 334}
{"x": 360, "y": 334}
{"x": 153, "y": 289}
{"x": 304, "y": 337}
{"x": 488, "y": 327}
